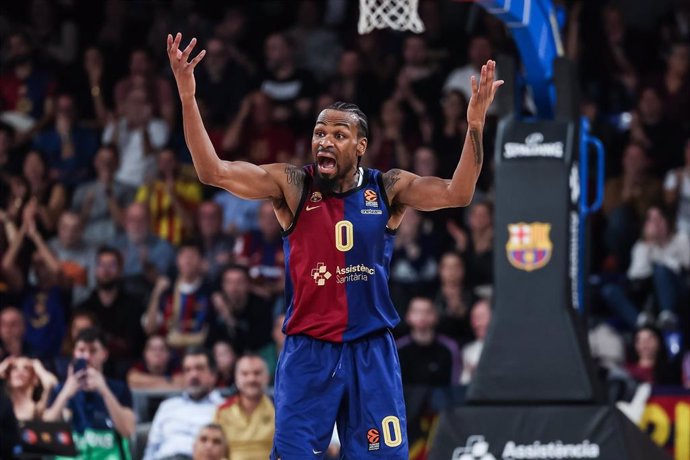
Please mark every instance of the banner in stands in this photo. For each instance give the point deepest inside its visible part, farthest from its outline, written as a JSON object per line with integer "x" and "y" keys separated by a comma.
{"x": 545, "y": 433}
{"x": 667, "y": 420}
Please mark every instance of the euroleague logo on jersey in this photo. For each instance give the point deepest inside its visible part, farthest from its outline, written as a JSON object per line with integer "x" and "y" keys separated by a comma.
{"x": 316, "y": 197}
{"x": 371, "y": 198}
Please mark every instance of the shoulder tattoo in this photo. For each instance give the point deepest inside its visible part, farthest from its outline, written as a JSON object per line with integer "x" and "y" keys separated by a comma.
{"x": 391, "y": 178}
{"x": 294, "y": 176}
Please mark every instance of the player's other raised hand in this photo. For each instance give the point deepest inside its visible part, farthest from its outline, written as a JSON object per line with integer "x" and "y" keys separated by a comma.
{"x": 182, "y": 67}
{"x": 483, "y": 92}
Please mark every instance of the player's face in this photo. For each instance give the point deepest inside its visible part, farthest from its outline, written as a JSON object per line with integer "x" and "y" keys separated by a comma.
{"x": 336, "y": 144}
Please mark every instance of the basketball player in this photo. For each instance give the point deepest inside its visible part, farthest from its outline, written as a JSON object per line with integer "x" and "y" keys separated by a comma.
{"x": 339, "y": 361}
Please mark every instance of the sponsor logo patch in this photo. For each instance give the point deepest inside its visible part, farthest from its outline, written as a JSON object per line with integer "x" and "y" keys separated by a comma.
{"x": 374, "y": 439}
{"x": 316, "y": 197}
{"x": 371, "y": 198}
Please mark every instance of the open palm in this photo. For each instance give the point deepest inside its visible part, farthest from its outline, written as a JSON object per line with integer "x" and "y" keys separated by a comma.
{"x": 483, "y": 92}
{"x": 182, "y": 67}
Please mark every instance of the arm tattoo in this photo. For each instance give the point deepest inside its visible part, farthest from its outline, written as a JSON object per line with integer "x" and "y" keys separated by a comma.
{"x": 390, "y": 179}
{"x": 294, "y": 175}
{"x": 475, "y": 136}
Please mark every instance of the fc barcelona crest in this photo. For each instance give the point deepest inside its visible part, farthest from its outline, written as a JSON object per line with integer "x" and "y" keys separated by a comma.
{"x": 529, "y": 246}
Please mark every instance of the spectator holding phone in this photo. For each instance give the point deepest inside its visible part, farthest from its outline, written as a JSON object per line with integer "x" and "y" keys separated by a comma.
{"x": 99, "y": 408}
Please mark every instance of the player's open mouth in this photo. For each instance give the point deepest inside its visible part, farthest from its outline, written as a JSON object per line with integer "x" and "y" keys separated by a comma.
{"x": 326, "y": 163}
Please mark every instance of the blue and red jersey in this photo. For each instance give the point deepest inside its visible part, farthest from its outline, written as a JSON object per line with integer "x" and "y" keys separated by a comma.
{"x": 337, "y": 260}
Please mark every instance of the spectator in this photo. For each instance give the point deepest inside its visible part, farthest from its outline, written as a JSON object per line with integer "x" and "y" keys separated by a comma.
{"x": 57, "y": 35}
{"x": 225, "y": 356}
{"x": 239, "y": 215}
{"x": 477, "y": 244}
{"x": 143, "y": 253}
{"x": 660, "y": 136}
{"x": 478, "y": 51}
{"x": 255, "y": 136}
{"x": 182, "y": 311}
{"x": 157, "y": 370}
{"x": 427, "y": 358}
{"x": 418, "y": 82}
{"x": 248, "y": 418}
{"x": 218, "y": 68}
{"x": 101, "y": 202}
{"x": 391, "y": 141}
{"x": 650, "y": 363}
{"x": 69, "y": 147}
{"x": 242, "y": 317}
{"x": 50, "y": 196}
{"x": 26, "y": 91}
{"x": 290, "y": 88}
{"x": 171, "y": 199}
{"x": 13, "y": 334}
{"x": 42, "y": 301}
{"x": 674, "y": 85}
{"x": 659, "y": 259}
{"x": 28, "y": 385}
{"x": 137, "y": 134}
{"x": 413, "y": 266}
{"x": 271, "y": 352}
{"x": 80, "y": 320}
{"x": 677, "y": 192}
{"x": 210, "y": 444}
{"x": 100, "y": 408}
{"x": 217, "y": 246}
{"x": 450, "y": 131}
{"x": 453, "y": 298}
{"x": 179, "y": 419}
{"x": 115, "y": 309}
{"x": 142, "y": 77}
{"x": 77, "y": 259}
{"x": 316, "y": 47}
{"x": 480, "y": 317}
{"x": 352, "y": 84}
{"x": 262, "y": 252}
{"x": 626, "y": 199}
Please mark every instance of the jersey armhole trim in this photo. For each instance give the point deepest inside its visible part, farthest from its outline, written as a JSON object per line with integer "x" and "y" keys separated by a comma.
{"x": 384, "y": 195}
{"x": 305, "y": 192}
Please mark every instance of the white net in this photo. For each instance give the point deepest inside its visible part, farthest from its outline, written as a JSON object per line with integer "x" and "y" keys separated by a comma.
{"x": 394, "y": 14}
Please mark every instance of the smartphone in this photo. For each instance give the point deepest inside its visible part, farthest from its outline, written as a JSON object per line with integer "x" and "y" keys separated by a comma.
{"x": 79, "y": 364}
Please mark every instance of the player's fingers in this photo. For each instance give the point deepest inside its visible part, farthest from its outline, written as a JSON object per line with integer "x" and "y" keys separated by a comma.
{"x": 197, "y": 59}
{"x": 188, "y": 50}
{"x": 176, "y": 41}
{"x": 482, "y": 78}
{"x": 169, "y": 41}
{"x": 491, "y": 71}
{"x": 475, "y": 87}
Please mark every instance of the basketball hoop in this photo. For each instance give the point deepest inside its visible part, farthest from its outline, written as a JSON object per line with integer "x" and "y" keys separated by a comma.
{"x": 393, "y": 14}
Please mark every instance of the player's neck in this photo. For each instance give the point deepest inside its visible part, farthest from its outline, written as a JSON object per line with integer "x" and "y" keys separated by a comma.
{"x": 349, "y": 182}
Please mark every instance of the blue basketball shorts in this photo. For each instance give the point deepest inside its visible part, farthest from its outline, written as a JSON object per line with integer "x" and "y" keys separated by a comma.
{"x": 356, "y": 384}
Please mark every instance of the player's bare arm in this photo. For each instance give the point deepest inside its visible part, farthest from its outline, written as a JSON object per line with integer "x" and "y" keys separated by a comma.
{"x": 281, "y": 183}
{"x": 430, "y": 193}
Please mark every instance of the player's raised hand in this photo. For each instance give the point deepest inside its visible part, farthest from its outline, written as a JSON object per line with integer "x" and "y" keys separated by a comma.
{"x": 182, "y": 67}
{"x": 483, "y": 92}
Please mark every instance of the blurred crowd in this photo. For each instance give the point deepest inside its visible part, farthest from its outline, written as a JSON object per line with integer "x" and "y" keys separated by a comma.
{"x": 113, "y": 252}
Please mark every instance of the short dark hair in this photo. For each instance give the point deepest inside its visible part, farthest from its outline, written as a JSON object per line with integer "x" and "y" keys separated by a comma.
{"x": 363, "y": 121}
{"x": 191, "y": 243}
{"x": 90, "y": 335}
{"x": 201, "y": 351}
{"x": 234, "y": 267}
{"x": 112, "y": 251}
